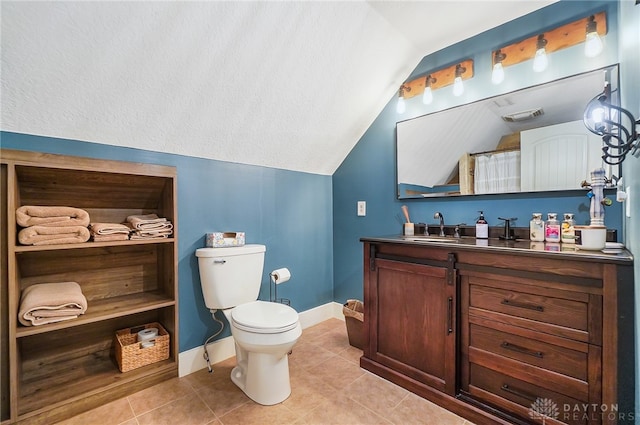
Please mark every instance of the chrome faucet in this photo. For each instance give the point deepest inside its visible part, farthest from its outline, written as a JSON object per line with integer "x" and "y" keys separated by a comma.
{"x": 441, "y": 217}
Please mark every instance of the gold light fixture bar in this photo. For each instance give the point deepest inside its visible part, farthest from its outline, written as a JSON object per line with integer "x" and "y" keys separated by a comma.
{"x": 443, "y": 77}
{"x": 557, "y": 39}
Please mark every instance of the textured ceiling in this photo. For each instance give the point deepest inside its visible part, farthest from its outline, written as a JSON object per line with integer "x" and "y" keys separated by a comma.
{"x": 290, "y": 85}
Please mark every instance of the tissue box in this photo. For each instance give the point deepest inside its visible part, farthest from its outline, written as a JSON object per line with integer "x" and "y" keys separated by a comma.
{"x": 224, "y": 239}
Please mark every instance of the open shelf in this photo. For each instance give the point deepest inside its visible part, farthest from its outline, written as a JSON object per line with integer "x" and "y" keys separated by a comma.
{"x": 58, "y": 370}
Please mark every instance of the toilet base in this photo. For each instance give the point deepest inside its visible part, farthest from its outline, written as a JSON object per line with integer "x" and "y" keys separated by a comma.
{"x": 264, "y": 378}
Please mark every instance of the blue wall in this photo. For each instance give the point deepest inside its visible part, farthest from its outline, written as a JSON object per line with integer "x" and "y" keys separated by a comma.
{"x": 289, "y": 212}
{"x": 368, "y": 172}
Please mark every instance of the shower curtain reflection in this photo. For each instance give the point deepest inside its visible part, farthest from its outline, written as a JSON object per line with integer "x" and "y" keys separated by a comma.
{"x": 497, "y": 172}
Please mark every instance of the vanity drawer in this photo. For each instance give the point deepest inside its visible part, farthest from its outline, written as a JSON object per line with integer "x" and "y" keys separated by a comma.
{"x": 532, "y": 351}
{"x": 570, "y": 313}
{"x": 526, "y": 399}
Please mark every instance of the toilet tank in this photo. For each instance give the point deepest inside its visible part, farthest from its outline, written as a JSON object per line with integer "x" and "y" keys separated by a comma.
{"x": 230, "y": 276}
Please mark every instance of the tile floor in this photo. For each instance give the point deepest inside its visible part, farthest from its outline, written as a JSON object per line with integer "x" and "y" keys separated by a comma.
{"x": 328, "y": 387}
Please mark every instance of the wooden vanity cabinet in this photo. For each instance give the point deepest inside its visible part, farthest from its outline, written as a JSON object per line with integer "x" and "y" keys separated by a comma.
{"x": 410, "y": 300}
{"x": 530, "y": 333}
{"x": 54, "y": 371}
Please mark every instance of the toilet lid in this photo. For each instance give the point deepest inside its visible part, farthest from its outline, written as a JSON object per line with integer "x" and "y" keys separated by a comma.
{"x": 264, "y": 317}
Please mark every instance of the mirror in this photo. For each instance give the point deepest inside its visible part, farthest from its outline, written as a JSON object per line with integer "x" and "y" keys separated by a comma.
{"x": 528, "y": 140}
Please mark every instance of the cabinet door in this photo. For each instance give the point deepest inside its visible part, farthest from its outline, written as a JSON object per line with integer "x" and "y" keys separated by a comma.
{"x": 414, "y": 321}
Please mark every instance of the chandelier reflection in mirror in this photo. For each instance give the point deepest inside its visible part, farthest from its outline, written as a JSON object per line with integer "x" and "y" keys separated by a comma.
{"x": 616, "y": 125}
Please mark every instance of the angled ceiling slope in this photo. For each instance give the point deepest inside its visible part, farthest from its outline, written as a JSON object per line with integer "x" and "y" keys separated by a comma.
{"x": 289, "y": 85}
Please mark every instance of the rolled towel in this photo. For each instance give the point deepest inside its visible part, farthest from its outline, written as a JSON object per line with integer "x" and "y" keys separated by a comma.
{"x": 109, "y": 229}
{"x": 44, "y": 303}
{"x": 148, "y": 222}
{"x": 42, "y": 235}
{"x": 29, "y": 215}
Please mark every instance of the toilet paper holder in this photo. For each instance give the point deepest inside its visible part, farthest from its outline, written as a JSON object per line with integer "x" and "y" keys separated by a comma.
{"x": 277, "y": 277}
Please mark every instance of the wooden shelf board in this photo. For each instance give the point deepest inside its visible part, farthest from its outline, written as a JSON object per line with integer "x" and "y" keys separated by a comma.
{"x": 103, "y": 310}
{"x": 105, "y": 377}
{"x": 85, "y": 245}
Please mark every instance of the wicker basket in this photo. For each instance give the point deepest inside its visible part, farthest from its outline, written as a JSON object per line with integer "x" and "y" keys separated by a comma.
{"x": 130, "y": 354}
{"x": 353, "y": 311}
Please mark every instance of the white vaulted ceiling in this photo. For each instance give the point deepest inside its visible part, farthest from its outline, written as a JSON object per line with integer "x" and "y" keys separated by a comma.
{"x": 290, "y": 85}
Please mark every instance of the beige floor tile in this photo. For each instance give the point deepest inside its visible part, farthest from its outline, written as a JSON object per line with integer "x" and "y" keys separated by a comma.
{"x": 328, "y": 387}
{"x": 376, "y": 393}
{"x": 113, "y": 413}
{"x": 159, "y": 394}
{"x": 334, "y": 341}
{"x": 339, "y": 411}
{"x": 187, "y": 410}
{"x": 307, "y": 355}
{"x": 221, "y": 372}
{"x": 312, "y": 333}
{"x": 222, "y": 396}
{"x": 352, "y": 354}
{"x": 255, "y": 414}
{"x": 414, "y": 410}
{"x": 307, "y": 392}
{"x": 337, "y": 372}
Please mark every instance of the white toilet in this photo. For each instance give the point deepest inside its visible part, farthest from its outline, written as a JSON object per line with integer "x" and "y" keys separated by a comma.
{"x": 264, "y": 332}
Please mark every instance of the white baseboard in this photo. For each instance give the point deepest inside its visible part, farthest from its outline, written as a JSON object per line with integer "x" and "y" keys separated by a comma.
{"x": 192, "y": 360}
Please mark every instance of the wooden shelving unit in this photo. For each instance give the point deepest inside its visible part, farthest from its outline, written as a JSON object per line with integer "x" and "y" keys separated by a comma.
{"x": 55, "y": 371}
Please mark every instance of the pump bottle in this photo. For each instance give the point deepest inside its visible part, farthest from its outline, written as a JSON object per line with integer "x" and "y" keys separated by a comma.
{"x": 482, "y": 227}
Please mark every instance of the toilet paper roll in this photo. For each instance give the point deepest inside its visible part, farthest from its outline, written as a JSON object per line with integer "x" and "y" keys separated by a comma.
{"x": 147, "y": 334}
{"x": 281, "y": 275}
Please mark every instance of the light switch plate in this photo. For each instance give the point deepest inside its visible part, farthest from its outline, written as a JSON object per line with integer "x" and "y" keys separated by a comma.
{"x": 362, "y": 208}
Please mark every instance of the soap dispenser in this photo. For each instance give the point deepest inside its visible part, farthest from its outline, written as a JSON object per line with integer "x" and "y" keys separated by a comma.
{"x": 482, "y": 227}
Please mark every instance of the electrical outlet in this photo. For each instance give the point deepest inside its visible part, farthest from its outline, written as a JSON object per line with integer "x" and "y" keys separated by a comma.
{"x": 362, "y": 208}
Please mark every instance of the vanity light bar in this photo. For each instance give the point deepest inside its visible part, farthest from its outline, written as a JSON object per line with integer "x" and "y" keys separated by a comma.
{"x": 556, "y": 39}
{"x": 440, "y": 78}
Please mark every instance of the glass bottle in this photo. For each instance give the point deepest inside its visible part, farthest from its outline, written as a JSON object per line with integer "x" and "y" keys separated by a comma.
{"x": 536, "y": 228}
{"x": 552, "y": 228}
{"x": 568, "y": 231}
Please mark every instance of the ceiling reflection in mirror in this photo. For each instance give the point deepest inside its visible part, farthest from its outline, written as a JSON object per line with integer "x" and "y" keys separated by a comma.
{"x": 529, "y": 140}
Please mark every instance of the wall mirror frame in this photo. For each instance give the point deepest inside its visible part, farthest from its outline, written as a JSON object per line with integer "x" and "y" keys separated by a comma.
{"x": 535, "y": 133}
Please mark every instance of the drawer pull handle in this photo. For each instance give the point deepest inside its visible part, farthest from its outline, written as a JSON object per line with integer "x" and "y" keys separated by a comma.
{"x": 513, "y": 347}
{"x": 520, "y": 393}
{"x": 522, "y": 305}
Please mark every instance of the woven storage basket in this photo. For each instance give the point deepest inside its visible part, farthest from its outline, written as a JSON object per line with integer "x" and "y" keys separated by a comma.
{"x": 353, "y": 311}
{"x": 129, "y": 353}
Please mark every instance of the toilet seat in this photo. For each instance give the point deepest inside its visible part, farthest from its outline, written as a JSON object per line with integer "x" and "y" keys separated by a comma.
{"x": 264, "y": 317}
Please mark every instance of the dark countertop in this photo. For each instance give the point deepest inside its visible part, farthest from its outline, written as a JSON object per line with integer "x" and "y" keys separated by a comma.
{"x": 525, "y": 247}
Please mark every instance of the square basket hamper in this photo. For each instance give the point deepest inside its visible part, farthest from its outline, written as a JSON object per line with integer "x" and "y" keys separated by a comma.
{"x": 130, "y": 354}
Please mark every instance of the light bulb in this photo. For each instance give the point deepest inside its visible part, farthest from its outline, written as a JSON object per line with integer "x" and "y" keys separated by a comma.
{"x": 597, "y": 115}
{"x": 497, "y": 76}
{"x": 540, "y": 61}
{"x": 401, "y": 107}
{"x": 458, "y": 86}
{"x": 593, "y": 45}
{"x": 427, "y": 96}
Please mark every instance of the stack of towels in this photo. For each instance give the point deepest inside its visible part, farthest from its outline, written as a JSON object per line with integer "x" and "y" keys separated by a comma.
{"x": 45, "y": 225}
{"x": 149, "y": 226}
{"x": 45, "y": 303}
{"x": 103, "y": 232}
